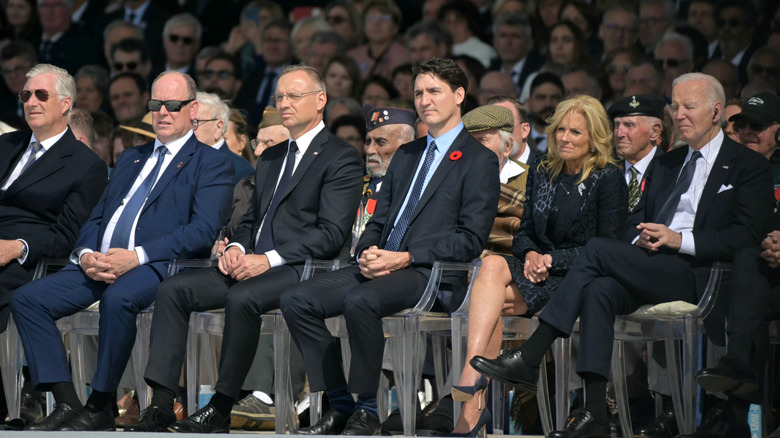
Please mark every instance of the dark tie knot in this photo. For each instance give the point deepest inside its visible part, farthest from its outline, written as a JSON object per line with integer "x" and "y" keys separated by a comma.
{"x": 293, "y": 147}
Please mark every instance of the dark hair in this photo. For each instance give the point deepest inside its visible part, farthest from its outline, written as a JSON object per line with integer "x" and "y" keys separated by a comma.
{"x": 19, "y": 48}
{"x": 581, "y": 49}
{"x": 445, "y": 69}
{"x": 237, "y": 73}
{"x": 32, "y": 22}
{"x": 519, "y": 107}
{"x": 358, "y": 121}
{"x": 466, "y": 10}
{"x": 433, "y": 30}
{"x": 402, "y": 69}
{"x": 102, "y": 122}
{"x": 473, "y": 67}
{"x": 546, "y": 78}
{"x": 353, "y": 70}
{"x": 284, "y": 24}
{"x": 140, "y": 83}
{"x": 382, "y": 82}
{"x": 588, "y": 12}
{"x": 132, "y": 45}
{"x": 746, "y": 8}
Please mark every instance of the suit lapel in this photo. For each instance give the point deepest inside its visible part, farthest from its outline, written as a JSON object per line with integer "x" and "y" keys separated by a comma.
{"x": 134, "y": 170}
{"x": 272, "y": 167}
{"x": 312, "y": 152}
{"x": 416, "y": 151}
{"x": 11, "y": 154}
{"x": 671, "y": 170}
{"x": 50, "y": 162}
{"x": 718, "y": 174}
{"x": 179, "y": 161}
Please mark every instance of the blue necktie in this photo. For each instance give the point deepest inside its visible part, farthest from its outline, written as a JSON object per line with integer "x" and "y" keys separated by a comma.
{"x": 265, "y": 239}
{"x": 124, "y": 226}
{"x": 35, "y": 148}
{"x": 683, "y": 183}
{"x": 394, "y": 240}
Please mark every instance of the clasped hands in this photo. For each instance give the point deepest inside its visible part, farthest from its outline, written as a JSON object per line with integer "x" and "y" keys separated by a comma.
{"x": 654, "y": 236}
{"x": 375, "y": 262}
{"x": 771, "y": 246}
{"x": 240, "y": 266}
{"x": 537, "y": 266}
{"x": 109, "y": 266}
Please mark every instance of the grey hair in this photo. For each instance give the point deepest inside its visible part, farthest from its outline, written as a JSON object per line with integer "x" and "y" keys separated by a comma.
{"x": 509, "y": 138}
{"x": 318, "y": 23}
{"x": 513, "y": 19}
{"x": 219, "y": 108}
{"x": 611, "y": 10}
{"x": 192, "y": 89}
{"x": 122, "y": 23}
{"x": 329, "y": 37}
{"x": 669, "y": 8}
{"x": 81, "y": 122}
{"x": 99, "y": 77}
{"x": 433, "y": 30}
{"x": 714, "y": 89}
{"x": 311, "y": 71}
{"x": 407, "y": 133}
{"x": 183, "y": 19}
{"x": 64, "y": 83}
{"x": 682, "y": 39}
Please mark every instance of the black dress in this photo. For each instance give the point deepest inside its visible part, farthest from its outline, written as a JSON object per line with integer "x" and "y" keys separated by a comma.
{"x": 559, "y": 218}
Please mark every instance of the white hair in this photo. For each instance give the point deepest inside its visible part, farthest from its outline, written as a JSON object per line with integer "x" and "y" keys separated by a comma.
{"x": 509, "y": 138}
{"x": 218, "y": 107}
{"x": 714, "y": 89}
{"x": 183, "y": 19}
{"x": 64, "y": 83}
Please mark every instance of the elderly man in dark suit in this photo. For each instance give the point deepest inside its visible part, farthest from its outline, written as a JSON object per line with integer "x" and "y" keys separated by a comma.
{"x": 166, "y": 200}
{"x": 306, "y": 192}
{"x": 50, "y": 182}
{"x": 701, "y": 204}
{"x": 429, "y": 209}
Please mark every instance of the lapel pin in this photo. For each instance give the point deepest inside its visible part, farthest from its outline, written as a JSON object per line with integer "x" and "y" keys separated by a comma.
{"x": 315, "y": 153}
{"x": 136, "y": 161}
{"x": 180, "y": 163}
{"x": 725, "y": 167}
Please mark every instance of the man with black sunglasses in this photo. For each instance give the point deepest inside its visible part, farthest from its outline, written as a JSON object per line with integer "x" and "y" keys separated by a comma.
{"x": 222, "y": 74}
{"x": 166, "y": 200}
{"x": 181, "y": 41}
{"x": 131, "y": 55}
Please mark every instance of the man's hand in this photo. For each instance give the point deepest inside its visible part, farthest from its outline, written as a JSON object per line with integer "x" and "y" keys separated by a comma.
{"x": 121, "y": 261}
{"x": 771, "y": 246}
{"x": 94, "y": 266}
{"x": 219, "y": 247}
{"x": 375, "y": 262}
{"x": 251, "y": 265}
{"x": 9, "y": 250}
{"x": 654, "y": 236}
{"x": 537, "y": 266}
{"x": 230, "y": 259}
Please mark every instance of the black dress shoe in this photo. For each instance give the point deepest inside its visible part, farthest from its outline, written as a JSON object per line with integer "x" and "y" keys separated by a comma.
{"x": 89, "y": 419}
{"x": 332, "y": 423}
{"x": 206, "y": 420}
{"x": 720, "y": 422}
{"x": 31, "y": 409}
{"x": 509, "y": 368}
{"x": 60, "y": 415}
{"x": 664, "y": 426}
{"x": 394, "y": 424}
{"x": 153, "y": 419}
{"x": 582, "y": 424}
{"x": 730, "y": 375}
{"x": 362, "y": 423}
{"x": 439, "y": 422}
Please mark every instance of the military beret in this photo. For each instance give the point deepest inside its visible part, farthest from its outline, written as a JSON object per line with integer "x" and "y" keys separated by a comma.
{"x": 489, "y": 117}
{"x": 639, "y": 105}
{"x": 763, "y": 108}
{"x": 384, "y": 115}
{"x": 270, "y": 118}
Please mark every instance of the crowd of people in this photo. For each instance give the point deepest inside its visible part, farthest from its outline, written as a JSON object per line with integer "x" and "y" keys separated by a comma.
{"x": 596, "y": 156}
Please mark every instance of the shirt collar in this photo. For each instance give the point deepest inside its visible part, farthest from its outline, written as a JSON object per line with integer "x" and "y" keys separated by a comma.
{"x": 641, "y": 165}
{"x": 49, "y": 142}
{"x": 175, "y": 146}
{"x": 305, "y": 140}
{"x": 510, "y": 170}
{"x": 710, "y": 150}
{"x": 444, "y": 141}
{"x": 139, "y": 11}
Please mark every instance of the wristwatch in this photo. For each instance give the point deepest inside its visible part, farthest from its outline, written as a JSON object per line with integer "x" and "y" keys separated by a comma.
{"x": 23, "y": 252}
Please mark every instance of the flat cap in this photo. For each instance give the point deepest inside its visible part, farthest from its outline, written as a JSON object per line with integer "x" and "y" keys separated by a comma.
{"x": 763, "y": 108}
{"x": 638, "y": 105}
{"x": 385, "y": 115}
{"x": 489, "y": 117}
{"x": 270, "y": 118}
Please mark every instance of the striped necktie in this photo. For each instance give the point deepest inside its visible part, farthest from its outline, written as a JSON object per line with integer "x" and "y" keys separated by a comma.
{"x": 633, "y": 190}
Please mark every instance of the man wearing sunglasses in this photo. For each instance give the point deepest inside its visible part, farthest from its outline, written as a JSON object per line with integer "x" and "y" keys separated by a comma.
{"x": 673, "y": 55}
{"x": 222, "y": 74}
{"x": 131, "y": 55}
{"x": 49, "y": 182}
{"x": 306, "y": 191}
{"x": 166, "y": 200}
{"x": 181, "y": 41}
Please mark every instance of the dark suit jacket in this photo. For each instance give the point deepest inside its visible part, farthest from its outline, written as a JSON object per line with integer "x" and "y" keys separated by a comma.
{"x": 456, "y": 210}
{"x": 72, "y": 51}
{"x": 240, "y": 165}
{"x": 153, "y": 23}
{"x": 726, "y": 218}
{"x": 601, "y": 212}
{"x": 314, "y": 217}
{"x": 187, "y": 206}
{"x": 46, "y": 205}
{"x": 533, "y": 62}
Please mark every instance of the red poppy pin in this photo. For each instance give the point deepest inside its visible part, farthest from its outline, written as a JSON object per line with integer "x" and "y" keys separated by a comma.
{"x": 777, "y": 194}
{"x": 455, "y": 156}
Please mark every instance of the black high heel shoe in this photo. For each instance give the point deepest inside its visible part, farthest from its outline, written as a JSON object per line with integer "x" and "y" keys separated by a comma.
{"x": 484, "y": 419}
{"x": 466, "y": 393}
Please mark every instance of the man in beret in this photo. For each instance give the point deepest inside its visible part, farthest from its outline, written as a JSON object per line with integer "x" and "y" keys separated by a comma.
{"x": 387, "y": 129}
{"x": 638, "y": 121}
{"x": 757, "y": 125}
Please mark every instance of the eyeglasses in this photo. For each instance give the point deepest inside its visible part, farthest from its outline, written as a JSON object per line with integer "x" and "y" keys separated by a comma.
{"x": 336, "y": 19}
{"x": 15, "y": 70}
{"x": 198, "y": 122}
{"x": 754, "y": 125}
{"x": 672, "y": 63}
{"x": 173, "y": 106}
{"x": 761, "y": 70}
{"x": 221, "y": 74}
{"x": 184, "y": 40}
{"x": 613, "y": 68}
{"x": 41, "y": 95}
{"x": 255, "y": 143}
{"x": 734, "y": 22}
{"x": 119, "y": 66}
{"x": 378, "y": 19}
{"x": 292, "y": 97}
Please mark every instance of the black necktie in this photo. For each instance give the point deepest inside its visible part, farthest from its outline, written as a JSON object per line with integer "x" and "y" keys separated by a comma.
{"x": 269, "y": 87}
{"x": 681, "y": 186}
{"x": 265, "y": 239}
{"x": 45, "y": 52}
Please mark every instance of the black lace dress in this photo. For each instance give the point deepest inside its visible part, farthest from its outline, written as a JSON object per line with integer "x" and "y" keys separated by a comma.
{"x": 559, "y": 218}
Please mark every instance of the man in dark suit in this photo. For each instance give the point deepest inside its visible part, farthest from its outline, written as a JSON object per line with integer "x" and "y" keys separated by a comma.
{"x": 305, "y": 196}
{"x": 701, "y": 204}
{"x": 50, "y": 182}
{"x": 210, "y": 128}
{"x": 438, "y": 202}
{"x": 59, "y": 42}
{"x": 513, "y": 41}
{"x": 166, "y": 200}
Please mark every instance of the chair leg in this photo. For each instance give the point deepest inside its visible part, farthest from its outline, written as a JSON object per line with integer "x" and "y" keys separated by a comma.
{"x": 543, "y": 399}
{"x": 621, "y": 389}
{"x": 285, "y": 407}
{"x": 673, "y": 366}
{"x": 11, "y": 368}
{"x": 76, "y": 347}
{"x": 562, "y": 350}
{"x": 691, "y": 363}
{"x": 459, "y": 334}
{"x": 193, "y": 367}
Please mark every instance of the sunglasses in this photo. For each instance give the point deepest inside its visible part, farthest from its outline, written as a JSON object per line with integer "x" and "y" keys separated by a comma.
{"x": 41, "y": 95}
{"x": 221, "y": 74}
{"x": 734, "y": 22}
{"x": 613, "y": 68}
{"x": 120, "y": 66}
{"x": 185, "y": 40}
{"x": 761, "y": 70}
{"x": 754, "y": 125}
{"x": 173, "y": 106}
{"x": 672, "y": 63}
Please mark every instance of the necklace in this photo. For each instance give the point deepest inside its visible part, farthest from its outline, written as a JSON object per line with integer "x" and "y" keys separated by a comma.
{"x": 564, "y": 188}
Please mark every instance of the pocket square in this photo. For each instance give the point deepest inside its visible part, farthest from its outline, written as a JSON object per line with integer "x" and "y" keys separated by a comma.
{"x": 723, "y": 188}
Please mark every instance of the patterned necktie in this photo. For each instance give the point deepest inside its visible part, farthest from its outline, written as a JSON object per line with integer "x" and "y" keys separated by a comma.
{"x": 265, "y": 239}
{"x": 124, "y": 225}
{"x": 681, "y": 186}
{"x": 35, "y": 148}
{"x": 394, "y": 240}
{"x": 633, "y": 190}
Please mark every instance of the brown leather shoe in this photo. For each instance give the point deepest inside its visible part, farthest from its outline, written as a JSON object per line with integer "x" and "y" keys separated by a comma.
{"x": 180, "y": 411}
{"x": 131, "y": 416}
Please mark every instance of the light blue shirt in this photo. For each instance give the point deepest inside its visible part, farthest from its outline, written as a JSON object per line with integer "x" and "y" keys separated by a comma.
{"x": 443, "y": 144}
